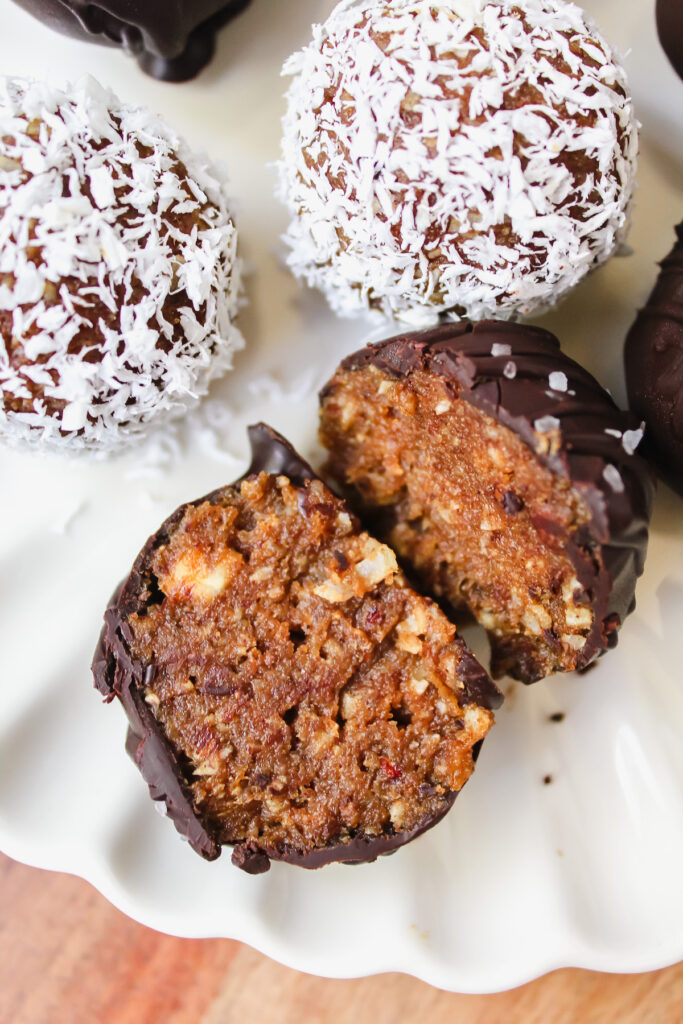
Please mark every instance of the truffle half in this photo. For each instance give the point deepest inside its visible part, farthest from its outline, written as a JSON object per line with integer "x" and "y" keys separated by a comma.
{"x": 504, "y": 477}
{"x": 287, "y": 692}
{"x": 653, "y": 357}
{"x": 475, "y": 157}
{"x": 119, "y": 278}
{"x": 172, "y": 41}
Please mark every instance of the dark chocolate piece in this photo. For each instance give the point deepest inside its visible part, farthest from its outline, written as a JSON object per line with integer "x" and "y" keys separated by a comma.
{"x": 117, "y": 673}
{"x": 669, "y": 15}
{"x": 653, "y": 357}
{"x": 513, "y": 387}
{"x": 172, "y": 41}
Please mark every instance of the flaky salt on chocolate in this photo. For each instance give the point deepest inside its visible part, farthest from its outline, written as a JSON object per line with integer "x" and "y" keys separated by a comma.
{"x": 506, "y": 480}
{"x": 287, "y": 692}
{"x": 119, "y": 275}
{"x": 475, "y": 157}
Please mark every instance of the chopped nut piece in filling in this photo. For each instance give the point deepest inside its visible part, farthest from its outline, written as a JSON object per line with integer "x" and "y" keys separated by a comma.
{"x": 471, "y": 510}
{"x": 313, "y": 694}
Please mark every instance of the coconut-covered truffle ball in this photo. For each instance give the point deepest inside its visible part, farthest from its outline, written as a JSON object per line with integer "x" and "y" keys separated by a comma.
{"x": 474, "y": 157}
{"x": 119, "y": 278}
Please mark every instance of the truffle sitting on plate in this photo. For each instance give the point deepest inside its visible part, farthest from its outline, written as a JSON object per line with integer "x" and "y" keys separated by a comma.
{"x": 474, "y": 157}
{"x": 119, "y": 278}
{"x": 504, "y": 477}
{"x": 669, "y": 15}
{"x": 172, "y": 41}
{"x": 287, "y": 692}
{"x": 653, "y": 357}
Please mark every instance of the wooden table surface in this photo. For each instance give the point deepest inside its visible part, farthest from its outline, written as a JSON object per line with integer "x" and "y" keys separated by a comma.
{"x": 68, "y": 957}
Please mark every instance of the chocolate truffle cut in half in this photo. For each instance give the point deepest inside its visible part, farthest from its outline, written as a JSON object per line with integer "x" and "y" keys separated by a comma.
{"x": 654, "y": 368}
{"x": 287, "y": 692}
{"x": 171, "y": 41}
{"x": 505, "y": 479}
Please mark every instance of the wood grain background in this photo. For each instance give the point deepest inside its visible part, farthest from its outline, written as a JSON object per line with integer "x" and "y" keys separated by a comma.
{"x": 68, "y": 957}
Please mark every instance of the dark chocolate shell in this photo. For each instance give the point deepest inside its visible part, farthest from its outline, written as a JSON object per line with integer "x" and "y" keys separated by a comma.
{"x": 172, "y": 41}
{"x": 653, "y": 357}
{"x": 669, "y": 14}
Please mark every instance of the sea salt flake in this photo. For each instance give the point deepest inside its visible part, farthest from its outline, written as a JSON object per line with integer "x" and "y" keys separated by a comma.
{"x": 558, "y": 380}
{"x": 631, "y": 439}
{"x": 613, "y": 478}
{"x": 546, "y": 424}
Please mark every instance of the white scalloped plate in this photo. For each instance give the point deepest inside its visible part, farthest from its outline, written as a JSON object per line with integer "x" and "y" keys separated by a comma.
{"x": 522, "y": 877}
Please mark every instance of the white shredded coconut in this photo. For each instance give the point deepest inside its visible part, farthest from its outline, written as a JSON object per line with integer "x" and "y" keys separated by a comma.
{"x": 631, "y": 439}
{"x": 500, "y": 350}
{"x": 546, "y": 424}
{"x": 613, "y": 478}
{"x": 118, "y": 269}
{"x": 428, "y": 149}
{"x": 613, "y": 432}
{"x": 510, "y": 370}
{"x": 558, "y": 380}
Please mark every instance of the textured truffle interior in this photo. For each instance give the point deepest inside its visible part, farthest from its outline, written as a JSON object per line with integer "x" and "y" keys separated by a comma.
{"x": 314, "y": 696}
{"x": 468, "y": 507}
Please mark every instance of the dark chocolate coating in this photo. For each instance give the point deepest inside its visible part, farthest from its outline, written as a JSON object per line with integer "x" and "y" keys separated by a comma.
{"x": 117, "y": 674}
{"x": 461, "y": 353}
{"x": 653, "y": 358}
{"x": 669, "y": 15}
{"x": 171, "y": 39}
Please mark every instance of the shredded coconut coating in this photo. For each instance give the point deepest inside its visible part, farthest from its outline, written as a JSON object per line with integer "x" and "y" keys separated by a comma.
{"x": 119, "y": 278}
{"x": 474, "y": 157}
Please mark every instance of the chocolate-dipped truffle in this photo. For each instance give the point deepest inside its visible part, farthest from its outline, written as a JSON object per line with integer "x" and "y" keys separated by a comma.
{"x": 653, "y": 356}
{"x": 504, "y": 477}
{"x": 669, "y": 15}
{"x": 470, "y": 157}
{"x": 287, "y": 692}
{"x": 172, "y": 41}
{"x": 119, "y": 278}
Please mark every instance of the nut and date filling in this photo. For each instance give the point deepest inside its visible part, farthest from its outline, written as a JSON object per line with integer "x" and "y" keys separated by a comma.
{"x": 468, "y": 507}
{"x": 312, "y": 693}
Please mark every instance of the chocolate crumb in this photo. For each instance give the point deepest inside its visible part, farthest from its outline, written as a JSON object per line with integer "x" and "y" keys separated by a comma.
{"x": 512, "y": 503}
{"x": 547, "y": 779}
{"x": 559, "y": 716}
{"x": 341, "y": 560}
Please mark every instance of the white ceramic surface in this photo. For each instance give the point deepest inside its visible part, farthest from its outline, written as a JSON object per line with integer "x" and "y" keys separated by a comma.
{"x": 522, "y": 877}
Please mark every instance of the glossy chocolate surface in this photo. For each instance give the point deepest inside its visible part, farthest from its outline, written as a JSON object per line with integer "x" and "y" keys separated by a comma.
{"x": 171, "y": 39}
{"x": 669, "y": 15}
{"x": 653, "y": 357}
